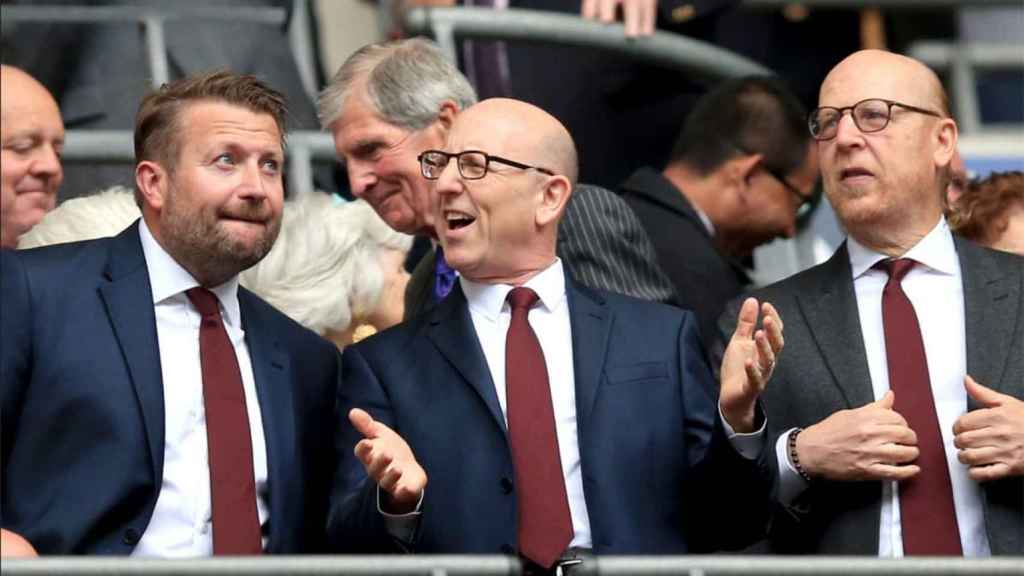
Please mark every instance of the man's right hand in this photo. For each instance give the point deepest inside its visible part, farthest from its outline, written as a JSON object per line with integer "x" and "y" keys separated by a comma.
{"x": 872, "y": 442}
{"x": 390, "y": 462}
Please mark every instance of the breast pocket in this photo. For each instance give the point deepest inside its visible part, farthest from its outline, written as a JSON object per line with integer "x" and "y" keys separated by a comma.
{"x": 637, "y": 373}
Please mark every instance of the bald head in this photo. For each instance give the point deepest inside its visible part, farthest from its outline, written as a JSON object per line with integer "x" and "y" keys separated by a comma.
{"x": 33, "y": 138}
{"x": 886, "y": 75}
{"x": 539, "y": 136}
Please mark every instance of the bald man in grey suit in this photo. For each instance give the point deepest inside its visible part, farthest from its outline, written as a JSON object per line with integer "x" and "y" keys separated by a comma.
{"x": 850, "y": 445}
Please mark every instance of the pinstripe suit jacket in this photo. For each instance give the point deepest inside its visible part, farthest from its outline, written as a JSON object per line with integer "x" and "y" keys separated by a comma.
{"x": 824, "y": 369}
{"x": 601, "y": 242}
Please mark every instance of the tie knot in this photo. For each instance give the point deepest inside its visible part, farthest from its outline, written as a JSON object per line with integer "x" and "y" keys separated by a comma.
{"x": 896, "y": 268}
{"x": 204, "y": 301}
{"x": 522, "y": 298}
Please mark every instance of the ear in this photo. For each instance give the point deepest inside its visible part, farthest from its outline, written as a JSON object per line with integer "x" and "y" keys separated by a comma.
{"x": 740, "y": 171}
{"x": 554, "y": 197}
{"x": 152, "y": 182}
{"x": 447, "y": 113}
{"x": 946, "y": 135}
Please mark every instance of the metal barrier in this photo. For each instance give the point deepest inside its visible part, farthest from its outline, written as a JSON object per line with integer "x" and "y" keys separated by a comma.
{"x": 508, "y": 566}
{"x": 700, "y": 59}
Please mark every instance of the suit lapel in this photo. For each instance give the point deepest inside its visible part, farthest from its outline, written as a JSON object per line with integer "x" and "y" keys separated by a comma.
{"x": 451, "y": 330}
{"x": 128, "y": 299}
{"x": 991, "y": 311}
{"x": 829, "y": 307}
{"x": 271, "y": 372}
{"x": 591, "y": 322}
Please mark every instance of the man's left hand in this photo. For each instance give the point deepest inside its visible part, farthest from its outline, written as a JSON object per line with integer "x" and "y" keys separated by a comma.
{"x": 991, "y": 439}
{"x": 748, "y": 363}
{"x": 638, "y": 16}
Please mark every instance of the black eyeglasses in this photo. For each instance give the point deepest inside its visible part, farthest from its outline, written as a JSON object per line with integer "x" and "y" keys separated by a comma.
{"x": 804, "y": 203}
{"x": 473, "y": 164}
{"x": 871, "y": 115}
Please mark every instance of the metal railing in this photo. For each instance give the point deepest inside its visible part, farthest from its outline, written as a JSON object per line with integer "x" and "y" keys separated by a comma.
{"x": 508, "y": 566}
{"x": 706, "y": 61}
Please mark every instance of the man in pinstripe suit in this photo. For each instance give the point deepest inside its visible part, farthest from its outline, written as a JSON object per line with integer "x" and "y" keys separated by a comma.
{"x": 389, "y": 102}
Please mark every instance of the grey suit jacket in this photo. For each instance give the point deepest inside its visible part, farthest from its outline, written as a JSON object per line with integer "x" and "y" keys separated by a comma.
{"x": 824, "y": 369}
{"x": 600, "y": 241}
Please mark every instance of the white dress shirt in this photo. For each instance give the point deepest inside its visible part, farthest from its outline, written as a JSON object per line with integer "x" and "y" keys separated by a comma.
{"x": 181, "y": 521}
{"x": 935, "y": 289}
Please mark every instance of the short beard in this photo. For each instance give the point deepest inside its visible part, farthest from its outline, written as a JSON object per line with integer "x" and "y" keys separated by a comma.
{"x": 206, "y": 250}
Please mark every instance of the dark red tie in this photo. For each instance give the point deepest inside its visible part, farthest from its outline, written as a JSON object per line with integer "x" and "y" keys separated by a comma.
{"x": 236, "y": 525}
{"x": 926, "y": 501}
{"x": 545, "y": 525}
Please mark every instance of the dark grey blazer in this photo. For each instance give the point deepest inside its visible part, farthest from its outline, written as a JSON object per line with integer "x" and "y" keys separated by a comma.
{"x": 602, "y": 244}
{"x": 824, "y": 369}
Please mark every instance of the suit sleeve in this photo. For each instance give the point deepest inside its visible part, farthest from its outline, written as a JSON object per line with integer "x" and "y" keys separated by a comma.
{"x": 604, "y": 245}
{"x": 354, "y": 524}
{"x": 733, "y": 494}
{"x": 15, "y": 351}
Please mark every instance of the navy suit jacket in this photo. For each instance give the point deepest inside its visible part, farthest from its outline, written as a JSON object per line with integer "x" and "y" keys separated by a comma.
{"x": 659, "y": 475}
{"x": 83, "y": 414}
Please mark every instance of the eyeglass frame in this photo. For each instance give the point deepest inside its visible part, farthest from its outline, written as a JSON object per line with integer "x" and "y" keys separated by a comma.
{"x": 488, "y": 158}
{"x": 804, "y": 203}
{"x": 841, "y": 111}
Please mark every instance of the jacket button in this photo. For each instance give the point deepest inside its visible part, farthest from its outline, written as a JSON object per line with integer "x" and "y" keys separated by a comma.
{"x": 506, "y": 485}
{"x": 131, "y": 537}
{"x": 508, "y": 549}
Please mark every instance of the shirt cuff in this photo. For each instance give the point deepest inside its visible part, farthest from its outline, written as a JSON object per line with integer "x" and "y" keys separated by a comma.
{"x": 791, "y": 484}
{"x": 748, "y": 445}
{"x": 402, "y": 527}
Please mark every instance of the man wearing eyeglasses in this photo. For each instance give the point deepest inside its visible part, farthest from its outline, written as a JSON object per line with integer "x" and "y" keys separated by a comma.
{"x": 742, "y": 171}
{"x": 551, "y": 420}
{"x": 897, "y": 406}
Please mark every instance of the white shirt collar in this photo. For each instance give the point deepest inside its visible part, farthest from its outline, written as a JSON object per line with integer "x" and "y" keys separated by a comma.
{"x": 704, "y": 219}
{"x": 490, "y": 299}
{"x": 168, "y": 279}
{"x": 935, "y": 251}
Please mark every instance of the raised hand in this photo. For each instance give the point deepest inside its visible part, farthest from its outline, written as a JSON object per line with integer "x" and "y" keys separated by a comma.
{"x": 748, "y": 363}
{"x": 991, "y": 439}
{"x": 872, "y": 442}
{"x": 638, "y": 16}
{"x": 390, "y": 462}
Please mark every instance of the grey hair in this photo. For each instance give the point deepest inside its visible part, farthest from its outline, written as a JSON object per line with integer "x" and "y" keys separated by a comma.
{"x": 405, "y": 81}
{"x": 325, "y": 270}
{"x": 98, "y": 215}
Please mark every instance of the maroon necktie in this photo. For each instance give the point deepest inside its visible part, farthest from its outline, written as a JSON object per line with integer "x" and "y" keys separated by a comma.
{"x": 545, "y": 526}
{"x": 926, "y": 501}
{"x": 236, "y": 525}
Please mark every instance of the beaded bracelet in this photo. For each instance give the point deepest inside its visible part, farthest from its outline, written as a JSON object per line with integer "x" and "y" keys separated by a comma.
{"x": 793, "y": 456}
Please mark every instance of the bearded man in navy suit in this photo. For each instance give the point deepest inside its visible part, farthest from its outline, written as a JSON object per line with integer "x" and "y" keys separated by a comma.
{"x": 619, "y": 411}
{"x": 134, "y": 370}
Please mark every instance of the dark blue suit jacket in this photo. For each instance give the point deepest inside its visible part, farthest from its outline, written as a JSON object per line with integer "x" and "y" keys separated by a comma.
{"x": 83, "y": 414}
{"x": 659, "y": 476}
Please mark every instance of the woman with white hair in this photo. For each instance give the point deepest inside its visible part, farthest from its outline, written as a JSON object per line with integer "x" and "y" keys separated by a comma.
{"x": 336, "y": 267}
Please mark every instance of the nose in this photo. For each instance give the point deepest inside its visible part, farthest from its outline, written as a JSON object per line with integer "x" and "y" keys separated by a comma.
{"x": 46, "y": 164}
{"x": 255, "y": 182}
{"x": 449, "y": 182}
{"x": 361, "y": 177}
{"x": 847, "y": 132}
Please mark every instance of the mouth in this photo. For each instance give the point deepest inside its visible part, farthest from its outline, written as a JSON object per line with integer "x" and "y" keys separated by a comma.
{"x": 854, "y": 172}
{"x": 457, "y": 220}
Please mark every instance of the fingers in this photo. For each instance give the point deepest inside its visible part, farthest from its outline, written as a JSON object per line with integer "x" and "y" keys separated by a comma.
{"x": 989, "y": 473}
{"x": 881, "y": 471}
{"x": 981, "y": 456}
{"x": 765, "y": 354}
{"x": 589, "y": 9}
{"x": 363, "y": 423}
{"x": 747, "y": 320}
{"x": 606, "y": 10}
{"x": 632, "y": 17}
{"x": 975, "y": 420}
{"x": 648, "y": 16}
{"x": 984, "y": 396}
{"x": 773, "y": 326}
{"x": 886, "y": 401}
